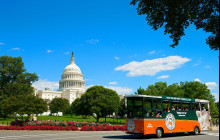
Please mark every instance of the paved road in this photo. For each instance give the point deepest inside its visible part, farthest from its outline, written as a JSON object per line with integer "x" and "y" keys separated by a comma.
{"x": 71, "y": 135}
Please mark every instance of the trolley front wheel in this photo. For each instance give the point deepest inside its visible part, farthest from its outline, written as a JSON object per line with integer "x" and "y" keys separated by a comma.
{"x": 196, "y": 130}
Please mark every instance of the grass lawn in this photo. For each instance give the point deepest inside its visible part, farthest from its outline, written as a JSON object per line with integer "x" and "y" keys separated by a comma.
{"x": 68, "y": 119}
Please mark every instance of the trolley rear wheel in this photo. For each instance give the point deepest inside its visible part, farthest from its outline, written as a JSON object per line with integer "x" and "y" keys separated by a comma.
{"x": 159, "y": 132}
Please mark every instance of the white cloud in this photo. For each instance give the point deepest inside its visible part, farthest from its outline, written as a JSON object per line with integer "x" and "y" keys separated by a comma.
{"x": 197, "y": 80}
{"x": 152, "y": 67}
{"x": 133, "y": 56}
{"x": 49, "y": 51}
{"x": 1, "y": 43}
{"x": 44, "y": 83}
{"x": 93, "y": 41}
{"x": 207, "y": 67}
{"x": 113, "y": 83}
{"x": 211, "y": 85}
{"x": 152, "y": 52}
{"x": 15, "y": 49}
{"x": 116, "y": 57}
{"x": 163, "y": 77}
{"x": 121, "y": 90}
{"x": 198, "y": 63}
{"x": 67, "y": 53}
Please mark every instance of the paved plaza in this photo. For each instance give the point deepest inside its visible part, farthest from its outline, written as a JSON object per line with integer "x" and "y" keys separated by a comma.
{"x": 72, "y": 135}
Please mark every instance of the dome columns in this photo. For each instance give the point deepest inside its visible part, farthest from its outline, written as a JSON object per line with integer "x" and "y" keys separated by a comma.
{"x": 72, "y": 84}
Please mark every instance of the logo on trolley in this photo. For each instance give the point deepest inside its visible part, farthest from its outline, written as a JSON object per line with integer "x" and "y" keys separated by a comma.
{"x": 170, "y": 121}
{"x": 131, "y": 125}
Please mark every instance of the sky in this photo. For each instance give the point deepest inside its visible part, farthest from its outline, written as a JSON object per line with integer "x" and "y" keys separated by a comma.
{"x": 113, "y": 46}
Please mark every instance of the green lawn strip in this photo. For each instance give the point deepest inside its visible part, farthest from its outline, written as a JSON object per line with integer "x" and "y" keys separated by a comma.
{"x": 69, "y": 119}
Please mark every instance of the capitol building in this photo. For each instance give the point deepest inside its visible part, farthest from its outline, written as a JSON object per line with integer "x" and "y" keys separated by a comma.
{"x": 71, "y": 85}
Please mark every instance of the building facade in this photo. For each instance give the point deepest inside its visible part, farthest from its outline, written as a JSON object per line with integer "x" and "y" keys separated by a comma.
{"x": 71, "y": 85}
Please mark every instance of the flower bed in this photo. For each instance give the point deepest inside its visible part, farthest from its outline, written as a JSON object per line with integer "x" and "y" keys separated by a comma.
{"x": 65, "y": 126}
{"x": 42, "y": 127}
{"x": 56, "y": 123}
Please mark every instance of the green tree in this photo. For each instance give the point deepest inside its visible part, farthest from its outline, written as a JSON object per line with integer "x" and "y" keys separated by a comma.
{"x": 111, "y": 103}
{"x": 23, "y": 104}
{"x": 140, "y": 91}
{"x": 14, "y": 79}
{"x": 78, "y": 108}
{"x": 59, "y": 105}
{"x": 156, "y": 89}
{"x": 99, "y": 100}
{"x": 41, "y": 106}
{"x": 176, "y": 15}
{"x": 122, "y": 109}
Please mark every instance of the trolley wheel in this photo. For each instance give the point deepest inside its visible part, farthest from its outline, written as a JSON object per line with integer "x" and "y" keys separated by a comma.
{"x": 196, "y": 130}
{"x": 159, "y": 132}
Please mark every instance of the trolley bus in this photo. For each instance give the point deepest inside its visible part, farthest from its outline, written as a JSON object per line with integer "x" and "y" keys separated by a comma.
{"x": 162, "y": 114}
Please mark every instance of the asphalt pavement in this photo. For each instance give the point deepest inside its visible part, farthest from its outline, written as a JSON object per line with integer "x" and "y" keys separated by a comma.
{"x": 97, "y": 135}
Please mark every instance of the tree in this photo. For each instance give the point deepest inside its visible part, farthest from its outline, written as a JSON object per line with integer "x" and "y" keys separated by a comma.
{"x": 186, "y": 89}
{"x": 41, "y": 106}
{"x": 122, "y": 109}
{"x": 14, "y": 79}
{"x": 176, "y": 15}
{"x": 78, "y": 108}
{"x": 140, "y": 91}
{"x": 23, "y": 104}
{"x": 111, "y": 103}
{"x": 59, "y": 105}
{"x": 99, "y": 100}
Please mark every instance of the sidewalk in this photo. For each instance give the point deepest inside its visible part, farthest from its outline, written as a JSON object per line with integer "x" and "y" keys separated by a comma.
{"x": 215, "y": 128}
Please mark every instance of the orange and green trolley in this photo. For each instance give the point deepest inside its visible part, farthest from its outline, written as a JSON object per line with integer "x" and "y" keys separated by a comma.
{"x": 162, "y": 114}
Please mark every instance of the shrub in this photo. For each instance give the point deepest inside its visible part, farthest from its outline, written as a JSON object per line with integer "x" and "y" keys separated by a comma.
{"x": 17, "y": 123}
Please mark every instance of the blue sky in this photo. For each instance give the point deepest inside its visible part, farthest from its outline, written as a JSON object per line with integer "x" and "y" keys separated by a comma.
{"x": 112, "y": 45}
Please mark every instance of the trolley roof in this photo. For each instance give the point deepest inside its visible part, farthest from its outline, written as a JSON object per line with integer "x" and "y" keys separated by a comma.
{"x": 169, "y": 98}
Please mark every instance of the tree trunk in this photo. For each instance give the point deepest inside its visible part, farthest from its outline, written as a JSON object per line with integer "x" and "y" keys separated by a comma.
{"x": 105, "y": 119}
{"x": 28, "y": 117}
{"x": 97, "y": 119}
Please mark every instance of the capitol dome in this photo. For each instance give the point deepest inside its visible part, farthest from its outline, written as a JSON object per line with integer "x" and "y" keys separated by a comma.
{"x": 72, "y": 67}
{"x": 72, "y": 77}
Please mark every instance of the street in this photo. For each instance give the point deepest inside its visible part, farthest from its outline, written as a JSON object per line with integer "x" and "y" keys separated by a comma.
{"x": 110, "y": 135}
